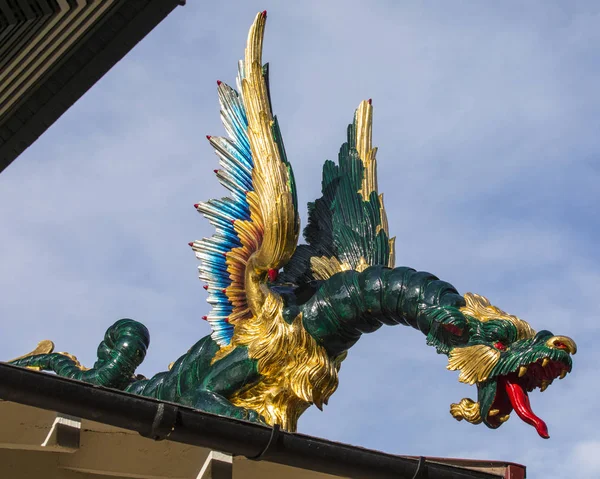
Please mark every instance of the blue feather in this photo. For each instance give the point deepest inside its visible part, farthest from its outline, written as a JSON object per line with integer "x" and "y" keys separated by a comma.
{"x": 235, "y": 158}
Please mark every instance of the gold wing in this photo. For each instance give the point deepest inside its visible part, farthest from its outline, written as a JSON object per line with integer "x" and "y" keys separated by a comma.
{"x": 257, "y": 228}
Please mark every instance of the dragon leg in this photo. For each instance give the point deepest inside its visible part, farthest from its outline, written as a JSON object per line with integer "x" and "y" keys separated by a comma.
{"x": 351, "y": 303}
{"x": 196, "y": 380}
{"x": 121, "y": 352}
{"x": 225, "y": 378}
{"x": 185, "y": 373}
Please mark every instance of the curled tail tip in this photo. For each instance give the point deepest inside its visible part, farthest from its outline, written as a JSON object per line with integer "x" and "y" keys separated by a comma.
{"x": 45, "y": 346}
{"x": 134, "y": 326}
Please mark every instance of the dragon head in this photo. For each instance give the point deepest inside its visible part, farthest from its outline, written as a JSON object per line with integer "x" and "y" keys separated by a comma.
{"x": 505, "y": 358}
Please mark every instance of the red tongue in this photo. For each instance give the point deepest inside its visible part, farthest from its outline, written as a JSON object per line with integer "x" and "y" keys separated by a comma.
{"x": 520, "y": 403}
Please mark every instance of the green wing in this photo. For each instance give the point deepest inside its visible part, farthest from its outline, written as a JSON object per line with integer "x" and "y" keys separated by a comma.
{"x": 347, "y": 227}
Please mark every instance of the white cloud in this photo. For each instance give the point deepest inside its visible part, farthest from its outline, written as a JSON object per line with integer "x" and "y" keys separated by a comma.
{"x": 587, "y": 458}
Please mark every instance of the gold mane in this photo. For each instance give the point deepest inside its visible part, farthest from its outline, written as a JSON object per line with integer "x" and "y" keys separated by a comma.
{"x": 480, "y": 308}
{"x": 296, "y": 371}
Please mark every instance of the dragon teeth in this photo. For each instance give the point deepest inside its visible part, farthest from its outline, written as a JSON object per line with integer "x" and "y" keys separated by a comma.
{"x": 504, "y": 418}
{"x": 522, "y": 371}
{"x": 544, "y": 385}
{"x": 563, "y": 373}
{"x": 493, "y": 412}
{"x": 545, "y": 362}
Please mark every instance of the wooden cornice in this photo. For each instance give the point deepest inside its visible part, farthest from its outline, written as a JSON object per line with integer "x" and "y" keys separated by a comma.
{"x": 53, "y": 51}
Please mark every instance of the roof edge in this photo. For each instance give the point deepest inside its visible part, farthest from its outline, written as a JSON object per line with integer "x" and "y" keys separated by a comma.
{"x": 76, "y": 72}
{"x": 163, "y": 420}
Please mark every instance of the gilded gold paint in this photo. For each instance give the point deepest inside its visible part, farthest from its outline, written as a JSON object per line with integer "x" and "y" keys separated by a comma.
{"x": 468, "y": 410}
{"x": 474, "y": 362}
{"x": 362, "y": 265}
{"x": 367, "y": 153}
{"x": 269, "y": 239}
{"x": 392, "y": 257}
{"x": 77, "y": 364}
{"x": 296, "y": 371}
{"x": 479, "y": 307}
{"x": 364, "y": 147}
{"x": 45, "y": 346}
{"x": 324, "y": 268}
{"x": 566, "y": 342}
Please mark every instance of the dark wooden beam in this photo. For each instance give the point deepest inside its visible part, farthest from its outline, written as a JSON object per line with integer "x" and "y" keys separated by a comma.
{"x": 57, "y": 52}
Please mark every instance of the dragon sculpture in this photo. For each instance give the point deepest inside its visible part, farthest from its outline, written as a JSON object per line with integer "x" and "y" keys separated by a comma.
{"x": 284, "y": 316}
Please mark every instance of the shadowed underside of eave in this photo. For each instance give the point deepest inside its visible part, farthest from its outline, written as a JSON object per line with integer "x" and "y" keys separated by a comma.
{"x": 53, "y": 51}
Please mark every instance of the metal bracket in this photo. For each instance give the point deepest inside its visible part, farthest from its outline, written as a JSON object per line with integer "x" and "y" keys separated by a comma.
{"x": 272, "y": 441}
{"x": 421, "y": 472}
{"x": 163, "y": 423}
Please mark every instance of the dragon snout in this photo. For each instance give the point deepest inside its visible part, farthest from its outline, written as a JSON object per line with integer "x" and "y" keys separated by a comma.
{"x": 562, "y": 342}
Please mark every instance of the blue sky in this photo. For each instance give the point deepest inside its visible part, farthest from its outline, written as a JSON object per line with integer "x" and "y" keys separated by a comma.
{"x": 486, "y": 121}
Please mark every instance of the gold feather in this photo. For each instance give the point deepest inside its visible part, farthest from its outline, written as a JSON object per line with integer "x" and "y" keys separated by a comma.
{"x": 367, "y": 153}
{"x": 474, "y": 362}
{"x": 273, "y": 237}
{"x": 479, "y": 307}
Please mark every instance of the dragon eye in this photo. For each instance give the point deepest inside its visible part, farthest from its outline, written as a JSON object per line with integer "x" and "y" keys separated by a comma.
{"x": 500, "y": 345}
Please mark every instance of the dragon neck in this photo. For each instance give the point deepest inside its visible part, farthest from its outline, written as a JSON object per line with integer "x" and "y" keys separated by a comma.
{"x": 352, "y": 303}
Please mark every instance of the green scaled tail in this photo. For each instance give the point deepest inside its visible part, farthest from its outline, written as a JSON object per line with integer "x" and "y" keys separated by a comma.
{"x": 122, "y": 351}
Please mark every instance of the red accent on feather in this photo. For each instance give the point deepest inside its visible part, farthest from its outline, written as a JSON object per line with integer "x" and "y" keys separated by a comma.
{"x": 264, "y": 14}
{"x": 205, "y": 286}
{"x": 370, "y": 100}
{"x": 208, "y": 137}
{"x": 216, "y": 171}
{"x": 219, "y": 82}
{"x": 204, "y": 318}
{"x": 196, "y": 205}
{"x": 224, "y": 291}
{"x": 227, "y": 320}
{"x": 500, "y": 345}
{"x": 191, "y": 243}
{"x": 273, "y": 273}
